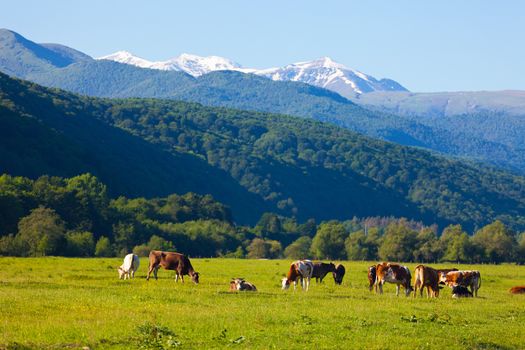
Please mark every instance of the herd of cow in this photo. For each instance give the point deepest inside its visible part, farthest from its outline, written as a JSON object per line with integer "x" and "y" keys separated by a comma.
{"x": 304, "y": 270}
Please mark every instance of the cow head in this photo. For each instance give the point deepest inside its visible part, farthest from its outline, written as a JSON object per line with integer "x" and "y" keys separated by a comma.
{"x": 195, "y": 277}
{"x": 120, "y": 272}
{"x": 285, "y": 283}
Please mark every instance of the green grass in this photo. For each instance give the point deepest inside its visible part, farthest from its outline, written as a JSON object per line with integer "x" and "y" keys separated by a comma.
{"x": 72, "y": 303}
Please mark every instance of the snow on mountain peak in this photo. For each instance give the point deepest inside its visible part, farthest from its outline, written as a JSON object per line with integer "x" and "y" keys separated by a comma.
{"x": 127, "y": 58}
{"x": 323, "y": 72}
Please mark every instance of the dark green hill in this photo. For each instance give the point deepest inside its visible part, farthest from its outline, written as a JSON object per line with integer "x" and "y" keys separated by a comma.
{"x": 250, "y": 161}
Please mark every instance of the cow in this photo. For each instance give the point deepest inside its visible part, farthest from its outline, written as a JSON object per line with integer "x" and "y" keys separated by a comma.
{"x": 239, "y": 284}
{"x": 300, "y": 269}
{"x": 129, "y": 266}
{"x": 393, "y": 273}
{"x": 517, "y": 290}
{"x": 371, "y": 277}
{"x": 467, "y": 278}
{"x": 425, "y": 276}
{"x": 339, "y": 273}
{"x": 461, "y": 292}
{"x": 321, "y": 270}
{"x": 442, "y": 273}
{"x": 172, "y": 261}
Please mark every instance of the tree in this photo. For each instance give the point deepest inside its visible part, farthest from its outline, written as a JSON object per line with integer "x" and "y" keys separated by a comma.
{"x": 80, "y": 244}
{"x": 268, "y": 224}
{"x": 456, "y": 244}
{"x": 299, "y": 249}
{"x": 155, "y": 243}
{"x": 428, "y": 247}
{"x": 260, "y": 248}
{"x": 398, "y": 243}
{"x": 356, "y": 246}
{"x": 496, "y": 242}
{"x": 43, "y": 231}
{"x": 103, "y": 247}
{"x": 329, "y": 241}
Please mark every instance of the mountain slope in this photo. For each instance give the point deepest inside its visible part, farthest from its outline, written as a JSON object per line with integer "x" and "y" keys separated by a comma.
{"x": 291, "y": 165}
{"x": 20, "y": 56}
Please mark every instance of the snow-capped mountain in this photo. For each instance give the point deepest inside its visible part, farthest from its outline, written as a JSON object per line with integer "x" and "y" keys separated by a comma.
{"x": 323, "y": 72}
{"x": 191, "y": 64}
{"x": 326, "y": 73}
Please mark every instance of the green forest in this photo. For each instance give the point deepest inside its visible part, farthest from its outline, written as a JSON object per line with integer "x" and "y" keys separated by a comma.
{"x": 75, "y": 217}
{"x": 253, "y": 162}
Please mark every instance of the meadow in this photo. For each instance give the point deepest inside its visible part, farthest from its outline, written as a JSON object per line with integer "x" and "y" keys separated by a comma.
{"x": 55, "y": 303}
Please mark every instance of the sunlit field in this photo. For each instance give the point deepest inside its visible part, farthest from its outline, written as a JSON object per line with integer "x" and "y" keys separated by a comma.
{"x": 75, "y": 303}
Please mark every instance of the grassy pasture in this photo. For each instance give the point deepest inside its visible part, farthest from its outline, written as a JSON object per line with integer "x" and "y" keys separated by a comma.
{"x": 73, "y": 303}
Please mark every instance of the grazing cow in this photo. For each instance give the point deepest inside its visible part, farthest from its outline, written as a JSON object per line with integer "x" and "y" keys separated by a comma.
{"x": 425, "y": 276}
{"x": 468, "y": 278}
{"x": 461, "y": 292}
{"x": 300, "y": 269}
{"x": 129, "y": 266}
{"x": 517, "y": 290}
{"x": 321, "y": 269}
{"x": 239, "y": 284}
{"x": 442, "y": 273}
{"x": 172, "y": 261}
{"x": 371, "y": 277}
{"x": 339, "y": 273}
{"x": 393, "y": 273}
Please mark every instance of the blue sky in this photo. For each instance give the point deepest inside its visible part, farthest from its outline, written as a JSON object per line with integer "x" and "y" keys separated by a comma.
{"x": 426, "y": 46}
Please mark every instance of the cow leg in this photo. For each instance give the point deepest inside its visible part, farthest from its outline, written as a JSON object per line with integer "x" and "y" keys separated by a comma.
{"x": 397, "y": 289}
{"x": 182, "y": 278}
{"x": 155, "y": 272}
{"x": 149, "y": 272}
{"x": 308, "y": 283}
{"x": 380, "y": 287}
{"x": 176, "y": 277}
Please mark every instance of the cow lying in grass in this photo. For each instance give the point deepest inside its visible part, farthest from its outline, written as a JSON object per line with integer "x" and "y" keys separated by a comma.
{"x": 517, "y": 290}
{"x": 461, "y": 292}
{"x": 239, "y": 284}
{"x": 129, "y": 266}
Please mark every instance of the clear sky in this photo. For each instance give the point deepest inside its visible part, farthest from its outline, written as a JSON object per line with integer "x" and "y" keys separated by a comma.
{"x": 441, "y": 45}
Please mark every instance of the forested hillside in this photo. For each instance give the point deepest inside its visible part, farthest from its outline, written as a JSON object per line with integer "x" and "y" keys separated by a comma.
{"x": 76, "y": 217}
{"x": 484, "y": 132}
{"x": 253, "y": 162}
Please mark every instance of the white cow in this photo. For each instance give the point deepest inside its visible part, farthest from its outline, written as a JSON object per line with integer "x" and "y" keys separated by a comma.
{"x": 129, "y": 266}
{"x": 300, "y": 269}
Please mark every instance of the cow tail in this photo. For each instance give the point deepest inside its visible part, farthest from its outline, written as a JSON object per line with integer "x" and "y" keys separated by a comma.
{"x": 479, "y": 281}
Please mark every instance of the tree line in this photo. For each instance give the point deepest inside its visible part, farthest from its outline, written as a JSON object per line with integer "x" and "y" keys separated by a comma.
{"x": 75, "y": 217}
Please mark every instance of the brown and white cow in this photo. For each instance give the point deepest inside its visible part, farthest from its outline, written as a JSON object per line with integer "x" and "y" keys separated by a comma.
{"x": 517, "y": 290}
{"x": 443, "y": 272}
{"x": 172, "y": 261}
{"x": 371, "y": 277}
{"x": 339, "y": 273}
{"x": 321, "y": 270}
{"x": 467, "y": 278}
{"x": 393, "y": 273}
{"x": 300, "y": 269}
{"x": 239, "y": 284}
{"x": 425, "y": 276}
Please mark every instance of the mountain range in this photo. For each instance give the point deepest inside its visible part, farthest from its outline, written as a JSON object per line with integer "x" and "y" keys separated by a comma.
{"x": 483, "y": 127}
{"x": 253, "y": 162}
{"x": 323, "y": 72}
